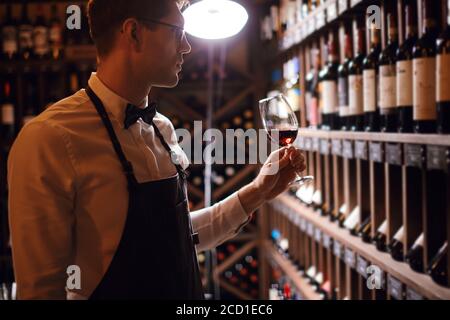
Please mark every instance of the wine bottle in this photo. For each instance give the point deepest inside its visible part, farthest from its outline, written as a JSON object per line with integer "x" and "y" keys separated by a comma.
{"x": 352, "y": 221}
{"x": 414, "y": 257}
{"x": 328, "y": 78}
{"x": 364, "y": 230}
{"x": 388, "y": 96}
{"x": 25, "y": 35}
{"x": 380, "y": 237}
{"x": 424, "y": 73}
{"x": 343, "y": 83}
{"x": 40, "y": 35}
{"x": 56, "y": 34}
{"x": 405, "y": 73}
{"x": 9, "y": 36}
{"x": 438, "y": 266}
{"x": 355, "y": 80}
{"x": 443, "y": 78}
{"x": 396, "y": 245}
{"x": 312, "y": 92}
{"x": 371, "y": 81}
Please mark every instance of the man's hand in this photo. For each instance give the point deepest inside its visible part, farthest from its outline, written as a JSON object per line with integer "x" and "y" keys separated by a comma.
{"x": 288, "y": 162}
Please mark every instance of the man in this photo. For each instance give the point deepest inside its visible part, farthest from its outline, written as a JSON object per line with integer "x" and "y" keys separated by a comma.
{"x": 92, "y": 183}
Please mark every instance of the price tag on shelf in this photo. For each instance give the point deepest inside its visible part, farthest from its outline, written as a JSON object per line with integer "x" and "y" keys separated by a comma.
{"x": 414, "y": 155}
{"x": 347, "y": 149}
{"x": 326, "y": 241}
{"x": 303, "y": 225}
{"x": 349, "y": 258}
{"x": 308, "y": 144}
{"x": 304, "y": 28}
{"x": 324, "y": 147}
{"x": 342, "y": 6}
{"x": 437, "y": 158}
{"x": 310, "y": 229}
{"x": 376, "y": 151}
{"x": 331, "y": 10}
{"x": 336, "y": 147}
{"x": 411, "y": 294}
{"x": 395, "y": 287}
{"x": 361, "y": 150}
{"x": 311, "y": 24}
{"x": 320, "y": 18}
{"x": 316, "y": 144}
{"x": 300, "y": 143}
{"x": 337, "y": 249}
{"x": 394, "y": 154}
{"x": 361, "y": 266}
{"x": 298, "y": 34}
{"x": 296, "y": 220}
{"x": 318, "y": 235}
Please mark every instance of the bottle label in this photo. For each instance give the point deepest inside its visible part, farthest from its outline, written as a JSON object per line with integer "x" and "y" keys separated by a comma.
{"x": 7, "y": 114}
{"x": 343, "y": 92}
{"x": 41, "y": 40}
{"x": 9, "y": 36}
{"x": 424, "y": 93}
{"x": 26, "y": 37}
{"x": 370, "y": 91}
{"x": 388, "y": 86}
{"x": 404, "y": 83}
{"x": 356, "y": 95}
{"x": 330, "y": 97}
{"x": 443, "y": 78}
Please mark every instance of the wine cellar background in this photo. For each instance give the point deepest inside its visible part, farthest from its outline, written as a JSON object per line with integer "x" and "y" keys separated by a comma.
{"x": 379, "y": 199}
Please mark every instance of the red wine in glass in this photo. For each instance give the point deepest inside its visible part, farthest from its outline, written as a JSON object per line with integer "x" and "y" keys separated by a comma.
{"x": 281, "y": 124}
{"x": 284, "y": 137}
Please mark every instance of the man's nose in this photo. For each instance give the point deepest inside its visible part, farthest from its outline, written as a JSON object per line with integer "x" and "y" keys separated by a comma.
{"x": 185, "y": 46}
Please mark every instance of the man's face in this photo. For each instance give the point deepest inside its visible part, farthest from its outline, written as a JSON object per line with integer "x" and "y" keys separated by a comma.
{"x": 164, "y": 48}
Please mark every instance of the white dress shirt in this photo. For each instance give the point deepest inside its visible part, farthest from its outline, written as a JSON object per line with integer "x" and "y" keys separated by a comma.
{"x": 68, "y": 195}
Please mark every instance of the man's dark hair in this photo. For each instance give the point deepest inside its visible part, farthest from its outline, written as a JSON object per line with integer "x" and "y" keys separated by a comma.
{"x": 106, "y": 17}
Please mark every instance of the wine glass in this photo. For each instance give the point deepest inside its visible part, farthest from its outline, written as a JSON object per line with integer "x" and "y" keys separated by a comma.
{"x": 281, "y": 124}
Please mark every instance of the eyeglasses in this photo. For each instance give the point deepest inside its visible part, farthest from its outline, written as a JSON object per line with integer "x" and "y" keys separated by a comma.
{"x": 179, "y": 31}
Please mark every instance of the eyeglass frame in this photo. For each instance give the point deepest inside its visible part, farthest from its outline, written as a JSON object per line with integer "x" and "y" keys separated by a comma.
{"x": 177, "y": 28}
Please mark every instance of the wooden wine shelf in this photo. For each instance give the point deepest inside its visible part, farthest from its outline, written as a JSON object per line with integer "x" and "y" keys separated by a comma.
{"x": 410, "y": 138}
{"x": 291, "y": 271}
{"x": 421, "y": 283}
{"x": 233, "y": 290}
{"x": 235, "y": 257}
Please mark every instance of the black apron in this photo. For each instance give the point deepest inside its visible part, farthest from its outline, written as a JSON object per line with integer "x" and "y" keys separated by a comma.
{"x": 156, "y": 257}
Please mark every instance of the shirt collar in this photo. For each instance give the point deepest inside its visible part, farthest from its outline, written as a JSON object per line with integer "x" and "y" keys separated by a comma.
{"x": 112, "y": 102}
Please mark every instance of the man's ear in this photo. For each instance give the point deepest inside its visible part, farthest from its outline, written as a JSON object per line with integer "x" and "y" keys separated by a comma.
{"x": 130, "y": 30}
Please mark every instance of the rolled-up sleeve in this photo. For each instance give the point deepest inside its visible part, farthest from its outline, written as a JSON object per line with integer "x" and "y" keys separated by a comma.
{"x": 220, "y": 222}
{"x": 41, "y": 179}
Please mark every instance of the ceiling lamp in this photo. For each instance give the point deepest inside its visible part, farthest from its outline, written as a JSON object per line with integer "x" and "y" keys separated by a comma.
{"x": 215, "y": 19}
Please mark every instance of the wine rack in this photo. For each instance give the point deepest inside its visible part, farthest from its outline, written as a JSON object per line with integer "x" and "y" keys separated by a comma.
{"x": 379, "y": 198}
{"x": 388, "y": 155}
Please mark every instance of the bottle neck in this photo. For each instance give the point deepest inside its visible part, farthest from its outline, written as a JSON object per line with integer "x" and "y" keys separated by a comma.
{"x": 393, "y": 35}
{"x": 375, "y": 38}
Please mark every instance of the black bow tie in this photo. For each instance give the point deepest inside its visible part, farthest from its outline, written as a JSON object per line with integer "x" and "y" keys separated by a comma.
{"x": 133, "y": 113}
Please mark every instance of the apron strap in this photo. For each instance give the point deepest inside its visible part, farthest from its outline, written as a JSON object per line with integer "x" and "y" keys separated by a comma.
{"x": 127, "y": 166}
{"x": 172, "y": 153}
